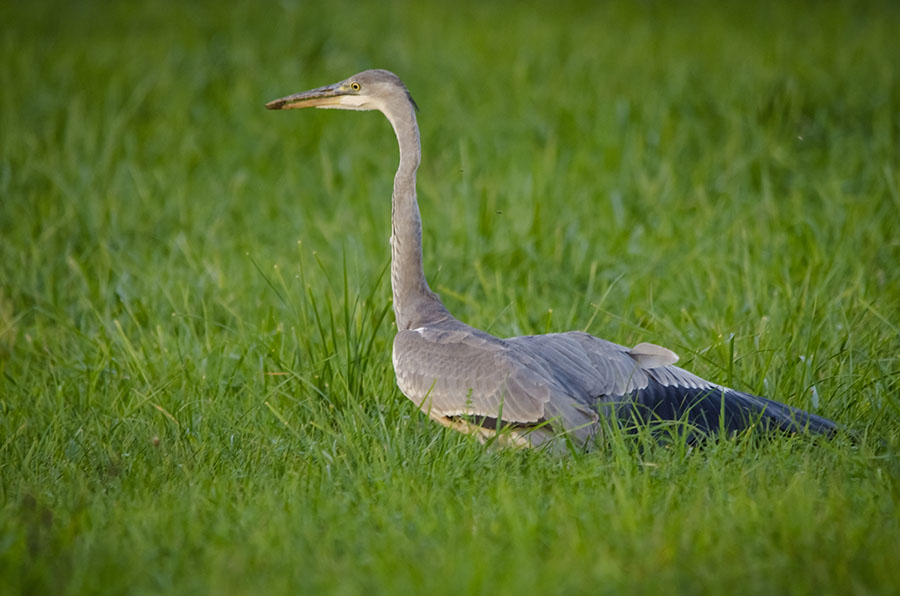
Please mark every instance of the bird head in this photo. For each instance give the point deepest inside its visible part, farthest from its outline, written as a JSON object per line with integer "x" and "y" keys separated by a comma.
{"x": 368, "y": 90}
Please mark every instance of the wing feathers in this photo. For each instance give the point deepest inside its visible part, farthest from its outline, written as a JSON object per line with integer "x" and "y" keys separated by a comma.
{"x": 451, "y": 374}
{"x": 569, "y": 378}
{"x": 652, "y": 356}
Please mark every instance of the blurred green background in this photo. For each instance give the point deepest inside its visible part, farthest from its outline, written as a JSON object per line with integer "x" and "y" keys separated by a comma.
{"x": 196, "y": 391}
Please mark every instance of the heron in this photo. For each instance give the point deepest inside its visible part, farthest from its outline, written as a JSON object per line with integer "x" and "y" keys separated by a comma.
{"x": 528, "y": 390}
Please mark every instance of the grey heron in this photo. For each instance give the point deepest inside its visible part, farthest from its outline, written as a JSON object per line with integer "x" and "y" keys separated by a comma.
{"x": 535, "y": 387}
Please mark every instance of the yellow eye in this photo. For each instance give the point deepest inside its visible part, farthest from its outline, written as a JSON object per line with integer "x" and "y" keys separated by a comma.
{"x": 354, "y": 86}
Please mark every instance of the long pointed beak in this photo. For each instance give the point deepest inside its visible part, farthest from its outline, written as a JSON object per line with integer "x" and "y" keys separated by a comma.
{"x": 329, "y": 95}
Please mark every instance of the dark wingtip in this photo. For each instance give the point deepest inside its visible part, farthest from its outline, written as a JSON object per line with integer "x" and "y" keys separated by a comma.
{"x": 275, "y": 105}
{"x": 710, "y": 410}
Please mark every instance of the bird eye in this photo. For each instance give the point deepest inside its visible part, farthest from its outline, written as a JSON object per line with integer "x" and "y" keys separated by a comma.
{"x": 354, "y": 86}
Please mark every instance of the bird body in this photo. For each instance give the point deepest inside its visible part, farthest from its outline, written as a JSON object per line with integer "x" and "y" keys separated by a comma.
{"x": 537, "y": 387}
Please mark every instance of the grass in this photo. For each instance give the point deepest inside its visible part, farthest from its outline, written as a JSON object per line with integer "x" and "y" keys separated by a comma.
{"x": 195, "y": 327}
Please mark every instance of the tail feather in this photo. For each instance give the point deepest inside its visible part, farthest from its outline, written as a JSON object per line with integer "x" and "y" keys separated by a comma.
{"x": 722, "y": 409}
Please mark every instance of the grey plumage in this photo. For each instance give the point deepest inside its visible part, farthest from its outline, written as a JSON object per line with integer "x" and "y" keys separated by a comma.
{"x": 538, "y": 386}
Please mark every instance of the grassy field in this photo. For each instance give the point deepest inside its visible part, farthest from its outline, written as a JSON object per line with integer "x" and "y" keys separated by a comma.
{"x": 196, "y": 393}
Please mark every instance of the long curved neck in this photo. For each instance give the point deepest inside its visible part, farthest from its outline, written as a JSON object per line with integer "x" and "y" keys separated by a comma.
{"x": 414, "y": 302}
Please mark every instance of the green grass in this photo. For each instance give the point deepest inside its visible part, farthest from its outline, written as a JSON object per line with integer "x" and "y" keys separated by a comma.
{"x": 196, "y": 393}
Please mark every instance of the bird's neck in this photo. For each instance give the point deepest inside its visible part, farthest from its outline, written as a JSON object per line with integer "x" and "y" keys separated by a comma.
{"x": 414, "y": 302}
